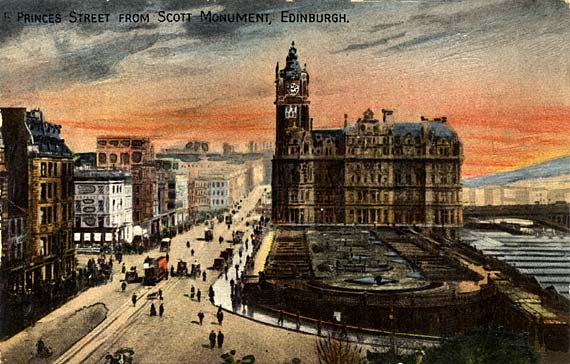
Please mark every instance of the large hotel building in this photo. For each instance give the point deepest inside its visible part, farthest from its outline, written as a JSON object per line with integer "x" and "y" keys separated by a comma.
{"x": 369, "y": 172}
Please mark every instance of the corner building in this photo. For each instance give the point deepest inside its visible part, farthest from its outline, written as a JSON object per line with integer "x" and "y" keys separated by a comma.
{"x": 370, "y": 172}
{"x": 41, "y": 195}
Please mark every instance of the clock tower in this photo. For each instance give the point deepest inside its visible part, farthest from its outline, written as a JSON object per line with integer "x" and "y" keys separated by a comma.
{"x": 291, "y": 99}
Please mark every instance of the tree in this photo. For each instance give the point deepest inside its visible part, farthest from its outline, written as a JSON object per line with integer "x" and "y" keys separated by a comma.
{"x": 336, "y": 351}
{"x": 484, "y": 347}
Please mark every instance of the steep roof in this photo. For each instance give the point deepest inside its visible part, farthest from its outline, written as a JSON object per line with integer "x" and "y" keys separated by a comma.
{"x": 402, "y": 129}
{"x": 440, "y": 130}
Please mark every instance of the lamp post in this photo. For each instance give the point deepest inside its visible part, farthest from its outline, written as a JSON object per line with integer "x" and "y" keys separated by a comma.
{"x": 322, "y": 215}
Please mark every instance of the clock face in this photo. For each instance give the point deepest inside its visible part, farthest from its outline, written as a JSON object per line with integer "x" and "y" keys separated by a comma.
{"x": 293, "y": 88}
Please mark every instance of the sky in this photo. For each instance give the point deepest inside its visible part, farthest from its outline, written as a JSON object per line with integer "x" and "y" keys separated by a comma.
{"x": 499, "y": 70}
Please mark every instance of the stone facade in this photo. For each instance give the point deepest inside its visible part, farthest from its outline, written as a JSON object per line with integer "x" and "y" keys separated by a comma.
{"x": 40, "y": 192}
{"x": 370, "y": 172}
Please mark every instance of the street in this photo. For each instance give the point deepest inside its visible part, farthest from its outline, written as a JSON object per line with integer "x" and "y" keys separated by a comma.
{"x": 176, "y": 337}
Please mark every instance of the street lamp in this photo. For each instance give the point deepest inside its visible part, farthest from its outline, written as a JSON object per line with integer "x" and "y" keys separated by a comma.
{"x": 322, "y": 215}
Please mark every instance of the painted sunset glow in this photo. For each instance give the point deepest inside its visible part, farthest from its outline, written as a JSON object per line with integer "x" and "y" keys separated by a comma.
{"x": 497, "y": 69}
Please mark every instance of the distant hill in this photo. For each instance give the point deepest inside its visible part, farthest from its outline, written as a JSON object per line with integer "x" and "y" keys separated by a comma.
{"x": 553, "y": 167}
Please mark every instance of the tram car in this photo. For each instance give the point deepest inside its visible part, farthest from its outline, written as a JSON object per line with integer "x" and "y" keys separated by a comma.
{"x": 155, "y": 269}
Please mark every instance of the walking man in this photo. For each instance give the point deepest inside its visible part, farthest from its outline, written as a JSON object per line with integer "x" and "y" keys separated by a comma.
{"x": 160, "y": 293}
{"x": 220, "y": 316}
{"x": 192, "y": 252}
{"x": 161, "y": 310}
{"x": 152, "y": 309}
{"x": 201, "y": 317}
{"x": 220, "y": 339}
{"x": 199, "y": 294}
{"x": 211, "y": 294}
{"x": 134, "y": 299}
{"x": 280, "y": 319}
{"x": 212, "y": 339}
{"x": 204, "y": 276}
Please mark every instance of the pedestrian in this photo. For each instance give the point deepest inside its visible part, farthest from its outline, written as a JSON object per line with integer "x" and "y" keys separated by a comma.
{"x": 187, "y": 244}
{"x": 161, "y": 310}
{"x": 201, "y": 317}
{"x": 192, "y": 290}
{"x": 232, "y": 282}
{"x": 123, "y": 286}
{"x": 172, "y": 271}
{"x": 220, "y": 316}
{"x": 280, "y": 319}
{"x": 134, "y": 299}
{"x": 192, "y": 252}
{"x": 123, "y": 268}
{"x": 152, "y": 309}
{"x": 212, "y": 339}
{"x": 211, "y": 294}
{"x": 220, "y": 339}
{"x": 160, "y": 294}
{"x": 167, "y": 257}
{"x": 199, "y": 295}
{"x": 204, "y": 276}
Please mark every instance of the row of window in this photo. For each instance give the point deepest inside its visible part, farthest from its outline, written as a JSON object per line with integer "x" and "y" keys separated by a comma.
{"x": 368, "y": 216}
{"x": 217, "y": 202}
{"x": 124, "y": 142}
{"x": 17, "y": 227}
{"x": 53, "y": 169}
{"x": 126, "y": 158}
{"x": 49, "y": 214}
{"x": 378, "y": 151}
{"x": 50, "y": 190}
{"x": 443, "y": 217}
{"x": 48, "y": 244}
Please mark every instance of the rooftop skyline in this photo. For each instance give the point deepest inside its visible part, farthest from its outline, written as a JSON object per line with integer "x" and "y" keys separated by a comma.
{"x": 492, "y": 67}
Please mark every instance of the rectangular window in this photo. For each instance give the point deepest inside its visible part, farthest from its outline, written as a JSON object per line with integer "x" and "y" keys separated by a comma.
{"x": 42, "y": 216}
{"x": 43, "y": 169}
{"x": 43, "y": 191}
{"x": 50, "y": 169}
{"x": 101, "y": 205}
{"x": 55, "y": 169}
{"x": 42, "y": 251}
{"x": 78, "y": 206}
